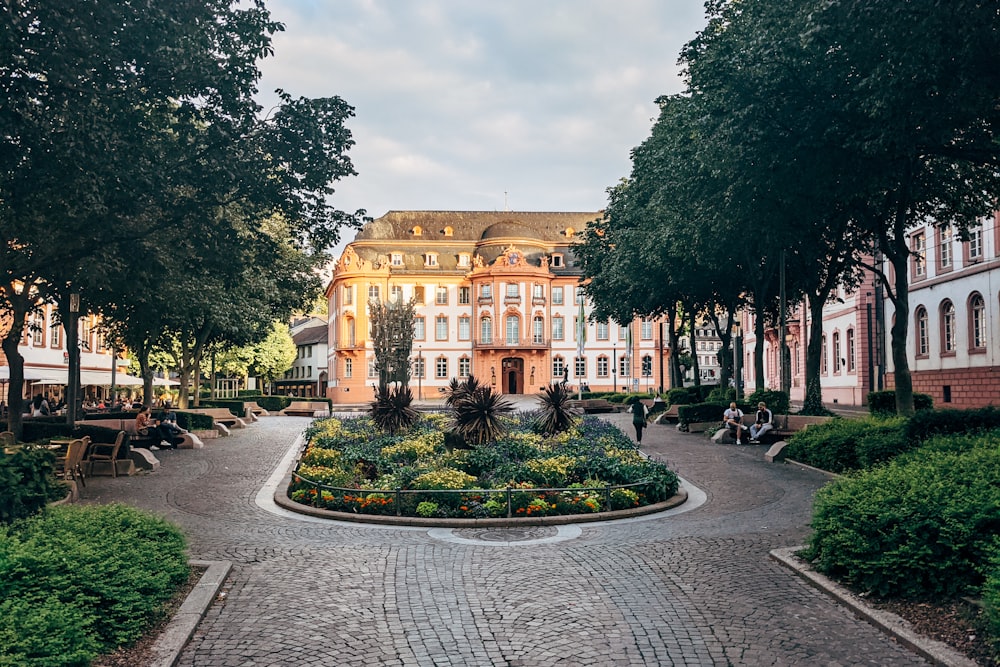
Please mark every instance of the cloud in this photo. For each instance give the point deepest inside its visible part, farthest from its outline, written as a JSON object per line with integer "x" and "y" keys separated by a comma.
{"x": 457, "y": 102}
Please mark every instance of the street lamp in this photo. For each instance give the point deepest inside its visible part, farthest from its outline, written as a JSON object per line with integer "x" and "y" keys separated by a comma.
{"x": 73, "y": 346}
{"x": 614, "y": 368}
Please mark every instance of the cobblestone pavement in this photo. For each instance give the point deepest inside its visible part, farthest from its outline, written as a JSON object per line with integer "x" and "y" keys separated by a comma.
{"x": 694, "y": 588}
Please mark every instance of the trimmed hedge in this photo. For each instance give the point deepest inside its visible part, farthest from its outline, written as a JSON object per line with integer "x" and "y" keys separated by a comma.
{"x": 839, "y": 445}
{"x": 777, "y": 401}
{"x": 916, "y": 528}
{"x": 76, "y": 582}
{"x": 883, "y": 403}
{"x": 927, "y": 423}
{"x": 681, "y": 396}
{"x": 709, "y": 412}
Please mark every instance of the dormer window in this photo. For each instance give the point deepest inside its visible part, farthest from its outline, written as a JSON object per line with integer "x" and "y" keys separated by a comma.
{"x": 557, "y": 261}
{"x": 448, "y": 231}
{"x": 416, "y": 231}
{"x": 431, "y": 259}
{"x": 569, "y": 232}
{"x": 464, "y": 259}
{"x": 396, "y": 259}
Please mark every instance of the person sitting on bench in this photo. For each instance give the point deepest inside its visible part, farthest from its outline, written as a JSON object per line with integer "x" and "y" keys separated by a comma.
{"x": 732, "y": 419}
{"x": 762, "y": 424}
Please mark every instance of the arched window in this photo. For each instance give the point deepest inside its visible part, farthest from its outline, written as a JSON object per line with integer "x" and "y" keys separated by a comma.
{"x": 977, "y": 322}
{"x": 352, "y": 334}
{"x": 513, "y": 330}
{"x": 920, "y": 321}
{"x": 486, "y": 329}
{"x": 947, "y": 327}
{"x": 538, "y": 330}
{"x": 823, "y": 351}
{"x": 836, "y": 352}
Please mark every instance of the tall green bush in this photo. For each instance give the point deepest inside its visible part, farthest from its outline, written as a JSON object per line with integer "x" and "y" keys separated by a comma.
{"x": 78, "y": 581}
{"x": 27, "y": 482}
{"x": 777, "y": 401}
{"x": 680, "y": 396}
{"x": 917, "y": 528}
{"x": 834, "y": 446}
{"x": 991, "y": 596}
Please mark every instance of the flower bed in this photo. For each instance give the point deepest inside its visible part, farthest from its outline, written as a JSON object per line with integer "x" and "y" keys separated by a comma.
{"x": 350, "y": 466}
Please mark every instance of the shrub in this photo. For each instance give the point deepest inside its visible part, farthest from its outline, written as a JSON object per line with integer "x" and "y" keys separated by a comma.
{"x": 777, "y": 401}
{"x": 832, "y": 446}
{"x": 916, "y": 528}
{"x": 27, "y": 482}
{"x": 555, "y": 415}
{"x": 447, "y": 478}
{"x": 700, "y": 392}
{"x": 477, "y": 414}
{"x": 720, "y": 394}
{"x": 883, "y": 403}
{"x": 927, "y": 423}
{"x": 427, "y": 509}
{"x": 391, "y": 409}
{"x": 882, "y": 442}
{"x": 991, "y": 597}
{"x": 680, "y": 396}
{"x": 77, "y": 581}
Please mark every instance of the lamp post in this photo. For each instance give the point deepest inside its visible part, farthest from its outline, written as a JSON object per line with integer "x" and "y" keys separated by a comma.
{"x": 73, "y": 347}
{"x": 614, "y": 368}
{"x": 871, "y": 357}
{"x": 738, "y": 360}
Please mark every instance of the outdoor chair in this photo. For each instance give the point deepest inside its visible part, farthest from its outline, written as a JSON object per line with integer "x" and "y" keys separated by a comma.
{"x": 70, "y": 467}
{"x": 105, "y": 451}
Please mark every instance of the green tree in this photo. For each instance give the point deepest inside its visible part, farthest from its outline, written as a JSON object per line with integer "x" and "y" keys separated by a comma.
{"x": 274, "y": 355}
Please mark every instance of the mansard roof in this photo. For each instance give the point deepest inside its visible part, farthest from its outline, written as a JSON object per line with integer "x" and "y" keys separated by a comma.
{"x": 476, "y": 225}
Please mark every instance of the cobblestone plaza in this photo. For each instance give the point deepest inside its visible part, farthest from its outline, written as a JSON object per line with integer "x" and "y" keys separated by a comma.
{"x": 694, "y": 586}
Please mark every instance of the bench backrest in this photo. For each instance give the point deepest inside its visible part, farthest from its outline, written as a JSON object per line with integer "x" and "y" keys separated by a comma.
{"x": 308, "y": 405}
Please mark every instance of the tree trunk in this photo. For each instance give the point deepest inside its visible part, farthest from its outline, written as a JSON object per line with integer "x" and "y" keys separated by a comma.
{"x": 676, "y": 379}
{"x": 813, "y": 403}
{"x": 15, "y": 362}
{"x": 695, "y": 366}
{"x": 900, "y": 325}
{"x": 20, "y": 303}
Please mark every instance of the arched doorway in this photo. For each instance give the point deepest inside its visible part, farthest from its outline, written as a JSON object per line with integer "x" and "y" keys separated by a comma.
{"x": 513, "y": 375}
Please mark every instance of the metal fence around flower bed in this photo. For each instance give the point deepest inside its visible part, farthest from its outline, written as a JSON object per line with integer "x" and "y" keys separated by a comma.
{"x": 511, "y": 501}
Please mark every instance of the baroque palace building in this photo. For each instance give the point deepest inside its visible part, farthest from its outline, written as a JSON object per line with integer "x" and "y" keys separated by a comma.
{"x": 497, "y": 296}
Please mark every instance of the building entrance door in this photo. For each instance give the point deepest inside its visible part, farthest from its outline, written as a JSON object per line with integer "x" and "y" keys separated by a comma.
{"x": 513, "y": 374}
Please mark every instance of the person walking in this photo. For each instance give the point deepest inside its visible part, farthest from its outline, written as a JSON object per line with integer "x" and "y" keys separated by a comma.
{"x": 640, "y": 413}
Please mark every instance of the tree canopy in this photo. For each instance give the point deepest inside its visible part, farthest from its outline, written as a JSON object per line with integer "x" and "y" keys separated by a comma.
{"x": 818, "y": 132}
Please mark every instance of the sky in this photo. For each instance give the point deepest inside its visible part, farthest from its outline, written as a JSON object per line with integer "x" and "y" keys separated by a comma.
{"x": 521, "y": 105}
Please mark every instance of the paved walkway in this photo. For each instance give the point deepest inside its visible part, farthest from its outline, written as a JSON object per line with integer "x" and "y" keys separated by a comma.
{"x": 692, "y": 588}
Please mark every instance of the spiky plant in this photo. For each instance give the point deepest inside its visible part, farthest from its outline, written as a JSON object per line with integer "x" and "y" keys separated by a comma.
{"x": 556, "y": 414}
{"x": 477, "y": 415}
{"x": 458, "y": 390}
{"x": 391, "y": 409}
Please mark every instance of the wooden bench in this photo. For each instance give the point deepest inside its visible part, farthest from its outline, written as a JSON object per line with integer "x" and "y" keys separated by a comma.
{"x": 669, "y": 415}
{"x": 307, "y": 409}
{"x": 784, "y": 427}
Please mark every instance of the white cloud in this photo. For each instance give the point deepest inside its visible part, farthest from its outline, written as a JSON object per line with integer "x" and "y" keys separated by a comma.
{"x": 459, "y": 101}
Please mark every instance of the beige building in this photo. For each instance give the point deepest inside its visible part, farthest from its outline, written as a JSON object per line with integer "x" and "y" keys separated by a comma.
{"x": 497, "y": 296}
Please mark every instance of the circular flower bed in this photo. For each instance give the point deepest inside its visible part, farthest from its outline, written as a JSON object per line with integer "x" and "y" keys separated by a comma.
{"x": 350, "y": 466}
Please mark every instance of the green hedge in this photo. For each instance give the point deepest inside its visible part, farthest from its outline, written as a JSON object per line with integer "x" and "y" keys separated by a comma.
{"x": 190, "y": 421}
{"x": 883, "y": 403}
{"x": 777, "y": 401}
{"x": 917, "y": 528}
{"x": 840, "y": 445}
{"x": 927, "y": 423}
{"x": 710, "y": 412}
{"x": 76, "y": 582}
{"x": 991, "y": 597}
{"x": 681, "y": 396}
{"x": 27, "y": 482}
{"x": 236, "y": 407}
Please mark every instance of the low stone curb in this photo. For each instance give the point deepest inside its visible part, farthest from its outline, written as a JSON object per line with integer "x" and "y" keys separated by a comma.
{"x": 167, "y": 648}
{"x": 937, "y": 652}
